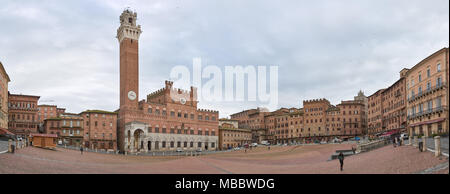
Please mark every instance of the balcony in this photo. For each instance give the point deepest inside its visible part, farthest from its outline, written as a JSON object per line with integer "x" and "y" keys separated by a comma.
{"x": 427, "y": 91}
{"x": 427, "y": 112}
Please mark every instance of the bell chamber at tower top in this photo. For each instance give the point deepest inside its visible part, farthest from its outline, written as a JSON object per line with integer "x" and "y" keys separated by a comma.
{"x": 128, "y": 28}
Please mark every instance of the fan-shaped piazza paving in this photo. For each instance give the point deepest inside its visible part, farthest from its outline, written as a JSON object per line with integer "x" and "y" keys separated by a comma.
{"x": 309, "y": 159}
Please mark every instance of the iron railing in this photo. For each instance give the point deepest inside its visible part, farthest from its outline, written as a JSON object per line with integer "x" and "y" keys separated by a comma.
{"x": 426, "y": 112}
{"x": 426, "y": 92}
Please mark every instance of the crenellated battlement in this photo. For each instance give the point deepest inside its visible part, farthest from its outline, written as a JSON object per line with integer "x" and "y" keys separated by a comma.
{"x": 208, "y": 111}
{"x": 319, "y": 100}
{"x": 170, "y": 93}
{"x": 156, "y": 93}
{"x": 180, "y": 92}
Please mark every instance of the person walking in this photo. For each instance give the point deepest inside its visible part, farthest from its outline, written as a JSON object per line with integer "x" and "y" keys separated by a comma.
{"x": 393, "y": 142}
{"x": 81, "y": 149}
{"x": 341, "y": 160}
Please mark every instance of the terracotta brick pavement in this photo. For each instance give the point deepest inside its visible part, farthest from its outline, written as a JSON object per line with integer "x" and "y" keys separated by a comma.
{"x": 312, "y": 159}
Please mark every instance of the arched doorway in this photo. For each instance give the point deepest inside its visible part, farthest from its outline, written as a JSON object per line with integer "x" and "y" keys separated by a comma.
{"x": 149, "y": 145}
{"x": 138, "y": 139}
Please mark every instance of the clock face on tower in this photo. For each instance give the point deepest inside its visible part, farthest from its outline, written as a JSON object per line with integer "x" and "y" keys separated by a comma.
{"x": 183, "y": 101}
{"x": 131, "y": 95}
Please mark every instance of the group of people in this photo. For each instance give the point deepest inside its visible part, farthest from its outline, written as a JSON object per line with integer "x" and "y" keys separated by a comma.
{"x": 396, "y": 141}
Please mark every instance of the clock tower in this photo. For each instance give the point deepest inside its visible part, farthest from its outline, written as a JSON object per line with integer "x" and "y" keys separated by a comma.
{"x": 128, "y": 36}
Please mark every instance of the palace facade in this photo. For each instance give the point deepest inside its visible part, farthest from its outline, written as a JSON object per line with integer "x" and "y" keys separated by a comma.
{"x": 167, "y": 119}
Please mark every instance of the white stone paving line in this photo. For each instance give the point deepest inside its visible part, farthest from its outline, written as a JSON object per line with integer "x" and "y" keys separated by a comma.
{"x": 434, "y": 169}
{"x": 434, "y": 151}
{"x": 2, "y": 152}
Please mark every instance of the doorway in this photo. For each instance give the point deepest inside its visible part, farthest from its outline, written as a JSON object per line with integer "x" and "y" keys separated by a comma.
{"x": 138, "y": 142}
{"x": 149, "y": 145}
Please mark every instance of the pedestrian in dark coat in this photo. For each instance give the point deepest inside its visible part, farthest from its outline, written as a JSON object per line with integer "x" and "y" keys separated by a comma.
{"x": 341, "y": 160}
{"x": 81, "y": 149}
{"x": 394, "y": 142}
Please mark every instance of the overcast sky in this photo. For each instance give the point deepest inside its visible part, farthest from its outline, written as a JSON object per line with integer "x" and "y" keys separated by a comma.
{"x": 66, "y": 51}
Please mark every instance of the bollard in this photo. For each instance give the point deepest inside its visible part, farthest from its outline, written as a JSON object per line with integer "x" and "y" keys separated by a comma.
{"x": 409, "y": 140}
{"x": 424, "y": 141}
{"x": 415, "y": 143}
{"x": 437, "y": 146}
{"x": 17, "y": 145}
{"x": 9, "y": 145}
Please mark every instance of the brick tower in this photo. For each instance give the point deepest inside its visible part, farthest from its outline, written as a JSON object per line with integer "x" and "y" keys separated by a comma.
{"x": 128, "y": 36}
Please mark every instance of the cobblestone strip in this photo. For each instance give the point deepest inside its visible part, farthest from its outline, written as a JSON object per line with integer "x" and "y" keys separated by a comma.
{"x": 434, "y": 169}
{"x": 214, "y": 166}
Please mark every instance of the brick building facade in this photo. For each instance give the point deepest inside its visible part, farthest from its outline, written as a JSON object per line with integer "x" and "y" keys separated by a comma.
{"x": 253, "y": 119}
{"x": 95, "y": 129}
{"x": 318, "y": 120}
{"x": 22, "y": 114}
{"x": 394, "y": 106}
{"x": 375, "y": 114}
{"x": 49, "y": 111}
{"x": 168, "y": 119}
{"x": 387, "y": 108}
{"x": 100, "y": 129}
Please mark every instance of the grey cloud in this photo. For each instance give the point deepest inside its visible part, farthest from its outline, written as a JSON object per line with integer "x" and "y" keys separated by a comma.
{"x": 67, "y": 51}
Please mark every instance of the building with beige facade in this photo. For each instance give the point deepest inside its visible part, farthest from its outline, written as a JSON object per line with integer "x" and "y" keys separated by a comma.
{"x": 231, "y": 136}
{"x": 68, "y": 127}
{"x": 427, "y": 95}
{"x": 4, "y": 81}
